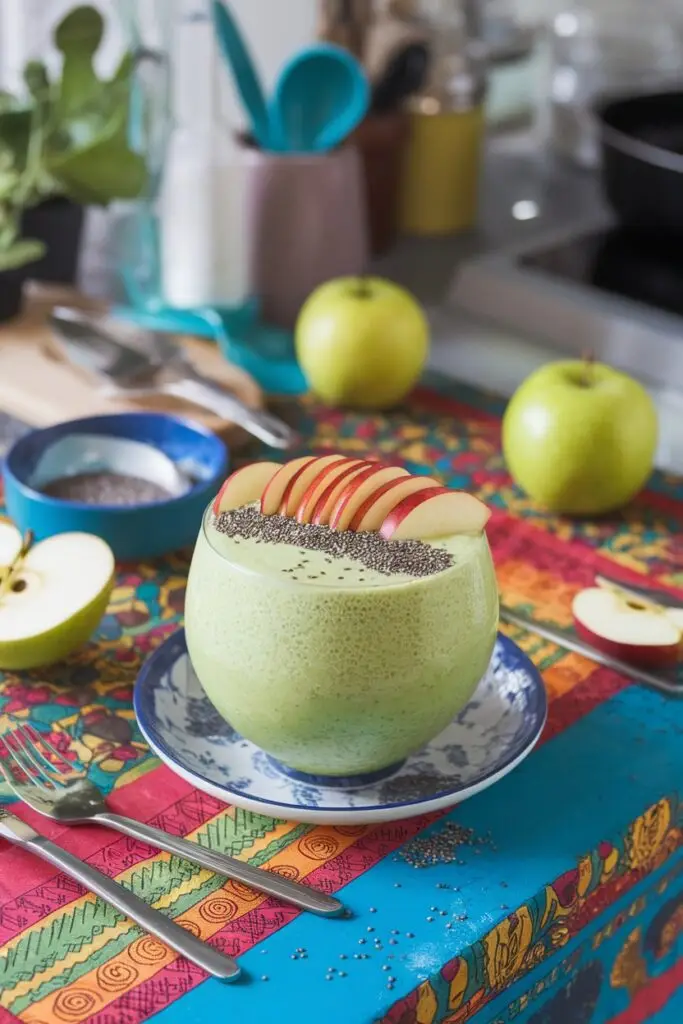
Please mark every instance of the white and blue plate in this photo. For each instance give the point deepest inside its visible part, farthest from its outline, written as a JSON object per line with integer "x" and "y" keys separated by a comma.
{"x": 491, "y": 736}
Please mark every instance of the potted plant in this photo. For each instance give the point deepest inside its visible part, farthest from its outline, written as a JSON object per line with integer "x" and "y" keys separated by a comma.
{"x": 16, "y": 253}
{"x": 74, "y": 130}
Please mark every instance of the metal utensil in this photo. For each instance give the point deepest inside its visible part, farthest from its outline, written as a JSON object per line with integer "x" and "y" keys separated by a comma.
{"x": 53, "y": 786}
{"x": 572, "y": 643}
{"x": 321, "y": 95}
{"x": 244, "y": 72}
{"x": 154, "y": 922}
{"x": 162, "y": 368}
{"x": 405, "y": 75}
{"x": 650, "y": 593}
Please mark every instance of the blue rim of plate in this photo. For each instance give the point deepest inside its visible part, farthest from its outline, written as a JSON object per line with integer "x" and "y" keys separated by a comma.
{"x": 175, "y": 646}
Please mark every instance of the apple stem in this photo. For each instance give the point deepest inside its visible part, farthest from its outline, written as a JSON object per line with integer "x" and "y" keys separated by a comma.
{"x": 363, "y": 290}
{"x": 588, "y": 375}
{"x": 15, "y": 565}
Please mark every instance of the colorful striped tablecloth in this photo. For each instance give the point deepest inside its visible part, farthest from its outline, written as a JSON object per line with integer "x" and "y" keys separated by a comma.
{"x": 564, "y": 904}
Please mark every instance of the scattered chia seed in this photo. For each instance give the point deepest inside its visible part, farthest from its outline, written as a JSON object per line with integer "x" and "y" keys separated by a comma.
{"x": 393, "y": 942}
{"x": 106, "y": 489}
{"x": 361, "y": 942}
{"x": 369, "y": 928}
{"x": 410, "y": 935}
{"x": 390, "y": 558}
{"x": 373, "y": 910}
{"x": 264, "y": 977}
{"x": 441, "y": 846}
{"x": 342, "y": 974}
{"x": 343, "y": 956}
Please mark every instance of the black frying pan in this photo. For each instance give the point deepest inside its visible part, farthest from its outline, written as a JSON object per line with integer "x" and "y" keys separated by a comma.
{"x": 642, "y": 159}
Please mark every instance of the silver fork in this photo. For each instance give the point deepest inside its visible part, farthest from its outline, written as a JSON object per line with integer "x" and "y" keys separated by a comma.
{"x": 50, "y": 784}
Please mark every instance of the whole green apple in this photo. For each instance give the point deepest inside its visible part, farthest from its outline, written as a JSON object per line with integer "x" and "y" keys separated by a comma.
{"x": 362, "y": 342}
{"x": 580, "y": 437}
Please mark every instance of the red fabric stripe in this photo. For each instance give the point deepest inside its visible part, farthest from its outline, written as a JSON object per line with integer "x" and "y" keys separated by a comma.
{"x": 8, "y": 1018}
{"x": 652, "y": 998}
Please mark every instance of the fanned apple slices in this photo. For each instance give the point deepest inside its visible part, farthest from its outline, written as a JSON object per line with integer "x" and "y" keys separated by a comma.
{"x": 347, "y": 493}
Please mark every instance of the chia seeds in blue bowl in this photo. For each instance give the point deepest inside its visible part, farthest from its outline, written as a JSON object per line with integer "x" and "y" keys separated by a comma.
{"x": 134, "y": 529}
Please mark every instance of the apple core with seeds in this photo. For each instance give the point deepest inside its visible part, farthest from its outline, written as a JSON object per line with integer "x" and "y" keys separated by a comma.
{"x": 338, "y": 652}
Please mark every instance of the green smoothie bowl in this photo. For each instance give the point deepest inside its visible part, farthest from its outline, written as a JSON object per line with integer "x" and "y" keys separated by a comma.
{"x": 338, "y": 653}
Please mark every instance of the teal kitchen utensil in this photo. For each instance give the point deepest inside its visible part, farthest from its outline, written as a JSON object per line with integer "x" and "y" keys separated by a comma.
{"x": 244, "y": 73}
{"x": 321, "y": 95}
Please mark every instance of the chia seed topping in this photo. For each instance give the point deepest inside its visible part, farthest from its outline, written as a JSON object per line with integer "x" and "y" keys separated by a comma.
{"x": 390, "y": 558}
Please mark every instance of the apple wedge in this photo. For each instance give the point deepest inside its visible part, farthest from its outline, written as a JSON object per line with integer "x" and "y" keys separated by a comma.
{"x": 328, "y": 499}
{"x": 320, "y": 483}
{"x": 271, "y": 499}
{"x": 358, "y": 490}
{"x": 375, "y": 509}
{"x": 54, "y": 600}
{"x": 300, "y": 482}
{"x": 244, "y": 486}
{"x": 433, "y": 513}
{"x": 626, "y": 627}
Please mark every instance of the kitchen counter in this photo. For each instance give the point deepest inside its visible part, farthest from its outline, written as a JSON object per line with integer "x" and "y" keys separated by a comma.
{"x": 485, "y": 354}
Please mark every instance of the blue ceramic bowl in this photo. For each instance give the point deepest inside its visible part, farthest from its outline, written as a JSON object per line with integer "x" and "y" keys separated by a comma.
{"x": 133, "y": 532}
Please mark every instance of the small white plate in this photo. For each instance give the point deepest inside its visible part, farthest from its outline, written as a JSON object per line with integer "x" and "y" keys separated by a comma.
{"x": 491, "y": 736}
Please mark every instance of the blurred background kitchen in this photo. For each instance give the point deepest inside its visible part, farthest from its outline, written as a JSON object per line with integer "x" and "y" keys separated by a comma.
{"x": 482, "y": 187}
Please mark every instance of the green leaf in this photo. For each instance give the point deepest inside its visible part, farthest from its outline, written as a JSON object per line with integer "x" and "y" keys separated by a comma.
{"x": 80, "y": 32}
{"x": 37, "y": 80}
{"x": 26, "y": 250}
{"x": 15, "y": 133}
{"x": 78, "y": 37}
{"x": 101, "y": 172}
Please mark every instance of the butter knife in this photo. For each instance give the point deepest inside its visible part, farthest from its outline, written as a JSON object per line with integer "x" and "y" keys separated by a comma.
{"x": 154, "y": 922}
{"x": 161, "y": 367}
{"x": 572, "y": 643}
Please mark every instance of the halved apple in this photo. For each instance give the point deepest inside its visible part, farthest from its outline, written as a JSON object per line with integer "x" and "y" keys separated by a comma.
{"x": 628, "y": 627}
{"x": 434, "y": 513}
{"x": 244, "y": 486}
{"x": 377, "y": 507}
{"x": 271, "y": 498}
{"x": 328, "y": 499}
{"x": 52, "y": 598}
{"x": 358, "y": 490}
{"x": 299, "y": 483}
{"x": 320, "y": 483}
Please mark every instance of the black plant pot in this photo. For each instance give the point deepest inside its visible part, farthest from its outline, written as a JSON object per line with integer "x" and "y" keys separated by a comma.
{"x": 11, "y": 289}
{"x": 58, "y": 223}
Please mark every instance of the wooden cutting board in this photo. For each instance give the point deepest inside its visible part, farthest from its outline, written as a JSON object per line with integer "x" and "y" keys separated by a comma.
{"x": 39, "y": 386}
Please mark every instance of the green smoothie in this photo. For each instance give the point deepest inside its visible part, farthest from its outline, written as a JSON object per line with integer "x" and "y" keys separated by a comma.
{"x": 328, "y": 661}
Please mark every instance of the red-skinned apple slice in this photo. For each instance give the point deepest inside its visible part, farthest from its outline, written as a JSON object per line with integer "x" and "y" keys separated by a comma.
{"x": 272, "y": 496}
{"x": 319, "y": 483}
{"x": 375, "y": 509}
{"x": 436, "y": 512}
{"x": 358, "y": 490}
{"x": 623, "y": 626}
{"x": 328, "y": 499}
{"x": 244, "y": 486}
{"x": 298, "y": 484}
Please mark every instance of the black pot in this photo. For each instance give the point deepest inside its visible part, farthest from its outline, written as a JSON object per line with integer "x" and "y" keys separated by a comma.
{"x": 11, "y": 289}
{"x": 642, "y": 159}
{"x": 58, "y": 223}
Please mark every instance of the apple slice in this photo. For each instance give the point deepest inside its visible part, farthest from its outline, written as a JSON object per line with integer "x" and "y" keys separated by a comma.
{"x": 358, "y": 490}
{"x": 244, "y": 486}
{"x": 436, "y": 512}
{"x": 320, "y": 484}
{"x": 299, "y": 483}
{"x": 375, "y": 509}
{"x": 328, "y": 499}
{"x": 271, "y": 499}
{"x": 633, "y": 630}
{"x": 54, "y": 600}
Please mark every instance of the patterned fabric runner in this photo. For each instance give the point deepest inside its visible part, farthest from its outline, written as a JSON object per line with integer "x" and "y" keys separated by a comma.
{"x": 66, "y": 957}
